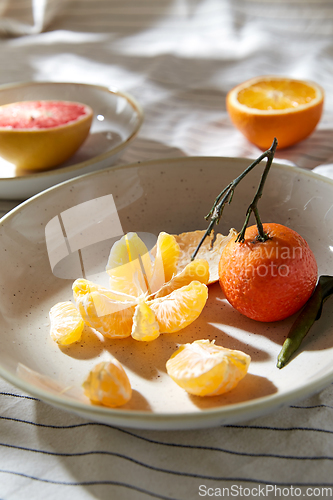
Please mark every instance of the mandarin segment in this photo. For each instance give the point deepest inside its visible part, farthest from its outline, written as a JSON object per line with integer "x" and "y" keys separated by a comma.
{"x": 180, "y": 308}
{"x": 82, "y": 287}
{"x": 145, "y": 326}
{"x": 205, "y": 369}
{"x": 271, "y": 280}
{"x": 197, "y": 270}
{"x": 108, "y": 384}
{"x": 166, "y": 253}
{"x": 129, "y": 266}
{"x": 66, "y": 323}
{"x": 101, "y": 311}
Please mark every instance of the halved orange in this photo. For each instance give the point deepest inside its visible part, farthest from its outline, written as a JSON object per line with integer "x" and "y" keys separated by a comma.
{"x": 273, "y": 106}
{"x": 128, "y": 309}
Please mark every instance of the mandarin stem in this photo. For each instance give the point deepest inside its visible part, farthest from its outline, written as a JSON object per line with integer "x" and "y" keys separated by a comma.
{"x": 253, "y": 208}
{"x": 226, "y": 196}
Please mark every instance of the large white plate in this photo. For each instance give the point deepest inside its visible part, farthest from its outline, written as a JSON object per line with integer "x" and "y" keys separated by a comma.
{"x": 117, "y": 119}
{"x": 173, "y": 196}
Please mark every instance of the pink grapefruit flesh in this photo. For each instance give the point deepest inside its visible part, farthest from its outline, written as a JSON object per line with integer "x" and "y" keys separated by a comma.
{"x": 40, "y": 135}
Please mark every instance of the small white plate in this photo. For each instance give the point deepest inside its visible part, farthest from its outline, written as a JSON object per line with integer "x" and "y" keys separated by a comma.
{"x": 166, "y": 195}
{"x": 117, "y": 119}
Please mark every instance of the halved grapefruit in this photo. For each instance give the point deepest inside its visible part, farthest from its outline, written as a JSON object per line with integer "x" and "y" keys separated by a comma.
{"x": 39, "y": 135}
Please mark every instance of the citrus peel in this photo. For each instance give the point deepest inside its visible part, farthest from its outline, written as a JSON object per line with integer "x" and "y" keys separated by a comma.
{"x": 210, "y": 250}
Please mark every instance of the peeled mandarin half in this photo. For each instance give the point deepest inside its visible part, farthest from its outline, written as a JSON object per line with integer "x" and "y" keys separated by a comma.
{"x": 140, "y": 302}
{"x": 205, "y": 369}
{"x": 66, "y": 323}
{"x": 108, "y": 384}
{"x": 272, "y": 106}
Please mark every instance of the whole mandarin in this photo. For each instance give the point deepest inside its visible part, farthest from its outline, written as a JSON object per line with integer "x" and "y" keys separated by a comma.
{"x": 271, "y": 280}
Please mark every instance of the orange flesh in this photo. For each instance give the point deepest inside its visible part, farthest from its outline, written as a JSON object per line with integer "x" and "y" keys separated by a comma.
{"x": 276, "y": 94}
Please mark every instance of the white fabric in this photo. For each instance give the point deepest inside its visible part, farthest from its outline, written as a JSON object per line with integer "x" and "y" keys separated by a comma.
{"x": 178, "y": 58}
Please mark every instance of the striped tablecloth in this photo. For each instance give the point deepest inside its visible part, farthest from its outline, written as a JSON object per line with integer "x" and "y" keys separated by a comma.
{"x": 178, "y": 58}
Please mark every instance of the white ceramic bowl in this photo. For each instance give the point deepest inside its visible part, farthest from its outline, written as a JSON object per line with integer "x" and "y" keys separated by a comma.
{"x": 172, "y": 196}
{"x": 117, "y": 120}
